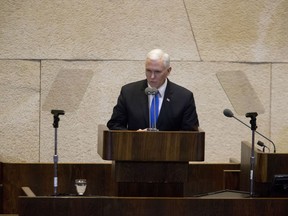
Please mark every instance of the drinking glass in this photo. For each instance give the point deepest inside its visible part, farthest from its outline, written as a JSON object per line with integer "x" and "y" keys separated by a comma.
{"x": 80, "y": 186}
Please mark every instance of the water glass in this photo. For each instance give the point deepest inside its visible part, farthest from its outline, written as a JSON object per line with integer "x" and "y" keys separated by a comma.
{"x": 80, "y": 186}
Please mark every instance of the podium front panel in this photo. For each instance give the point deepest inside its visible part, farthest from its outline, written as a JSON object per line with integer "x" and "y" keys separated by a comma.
{"x": 151, "y": 146}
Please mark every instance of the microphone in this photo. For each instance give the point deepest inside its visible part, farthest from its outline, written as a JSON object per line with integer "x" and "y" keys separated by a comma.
{"x": 229, "y": 113}
{"x": 151, "y": 91}
{"x": 260, "y": 143}
{"x": 152, "y": 121}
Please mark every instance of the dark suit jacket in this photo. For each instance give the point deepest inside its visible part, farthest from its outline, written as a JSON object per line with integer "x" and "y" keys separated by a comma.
{"x": 178, "y": 111}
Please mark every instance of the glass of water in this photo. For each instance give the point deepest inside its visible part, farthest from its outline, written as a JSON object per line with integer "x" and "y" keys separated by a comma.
{"x": 80, "y": 186}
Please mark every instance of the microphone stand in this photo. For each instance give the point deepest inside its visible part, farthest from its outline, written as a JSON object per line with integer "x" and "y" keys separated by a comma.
{"x": 154, "y": 127}
{"x": 56, "y": 114}
{"x": 252, "y": 115}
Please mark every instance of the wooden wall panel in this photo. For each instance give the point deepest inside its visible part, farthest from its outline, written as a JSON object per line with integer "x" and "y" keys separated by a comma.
{"x": 202, "y": 178}
{"x": 206, "y": 177}
{"x": 1, "y": 190}
{"x": 39, "y": 177}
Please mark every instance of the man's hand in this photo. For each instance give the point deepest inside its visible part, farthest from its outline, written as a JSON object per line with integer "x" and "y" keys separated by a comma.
{"x": 142, "y": 129}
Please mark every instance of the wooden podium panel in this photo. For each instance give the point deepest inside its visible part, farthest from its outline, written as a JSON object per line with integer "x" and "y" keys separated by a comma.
{"x": 155, "y": 160}
{"x": 151, "y": 146}
{"x": 266, "y": 166}
{"x": 126, "y": 171}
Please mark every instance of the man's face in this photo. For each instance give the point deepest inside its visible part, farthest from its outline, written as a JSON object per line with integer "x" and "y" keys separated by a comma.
{"x": 156, "y": 73}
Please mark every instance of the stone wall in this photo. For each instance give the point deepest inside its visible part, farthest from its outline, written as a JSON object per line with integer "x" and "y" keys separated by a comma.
{"x": 40, "y": 39}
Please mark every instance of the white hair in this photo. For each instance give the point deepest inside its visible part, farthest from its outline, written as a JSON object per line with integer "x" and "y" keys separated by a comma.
{"x": 158, "y": 54}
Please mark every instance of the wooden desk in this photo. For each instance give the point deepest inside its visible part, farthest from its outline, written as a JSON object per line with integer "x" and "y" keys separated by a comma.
{"x": 120, "y": 206}
{"x": 266, "y": 166}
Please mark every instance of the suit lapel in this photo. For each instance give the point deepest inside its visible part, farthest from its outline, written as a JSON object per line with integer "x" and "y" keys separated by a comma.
{"x": 144, "y": 102}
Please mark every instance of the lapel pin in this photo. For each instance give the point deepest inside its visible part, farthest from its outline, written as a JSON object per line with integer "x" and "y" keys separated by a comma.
{"x": 168, "y": 99}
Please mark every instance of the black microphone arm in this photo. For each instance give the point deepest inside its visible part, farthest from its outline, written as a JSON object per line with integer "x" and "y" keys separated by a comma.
{"x": 229, "y": 113}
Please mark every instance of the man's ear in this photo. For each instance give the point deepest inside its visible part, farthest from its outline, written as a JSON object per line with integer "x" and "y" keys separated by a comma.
{"x": 169, "y": 70}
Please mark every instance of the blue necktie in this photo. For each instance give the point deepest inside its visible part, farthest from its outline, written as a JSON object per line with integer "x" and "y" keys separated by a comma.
{"x": 154, "y": 107}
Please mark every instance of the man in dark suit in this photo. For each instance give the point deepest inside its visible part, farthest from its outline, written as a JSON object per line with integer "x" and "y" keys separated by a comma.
{"x": 177, "y": 110}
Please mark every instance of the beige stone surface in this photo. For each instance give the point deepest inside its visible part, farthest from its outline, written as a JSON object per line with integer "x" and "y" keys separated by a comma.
{"x": 279, "y": 117}
{"x": 244, "y": 31}
{"x": 90, "y": 29}
{"x": 19, "y": 110}
{"x": 111, "y": 39}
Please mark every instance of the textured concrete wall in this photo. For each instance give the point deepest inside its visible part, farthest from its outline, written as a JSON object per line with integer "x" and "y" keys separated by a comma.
{"x": 40, "y": 39}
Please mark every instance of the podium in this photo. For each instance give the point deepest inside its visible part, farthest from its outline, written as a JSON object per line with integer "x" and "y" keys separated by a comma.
{"x": 267, "y": 165}
{"x": 148, "y": 163}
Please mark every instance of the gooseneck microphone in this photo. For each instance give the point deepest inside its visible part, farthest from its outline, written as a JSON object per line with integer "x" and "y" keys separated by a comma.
{"x": 261, "y": 144}
{"x": 228, "y": 113}
{"x": 151, "y": 91}
{"x": 152, "y": 121}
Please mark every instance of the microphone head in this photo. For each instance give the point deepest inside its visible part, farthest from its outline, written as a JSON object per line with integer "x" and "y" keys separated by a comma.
{"x": 260, "y": 143}
{"x": 151, "y": 91}
{"x": 228, "y": 113}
